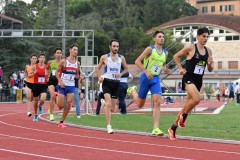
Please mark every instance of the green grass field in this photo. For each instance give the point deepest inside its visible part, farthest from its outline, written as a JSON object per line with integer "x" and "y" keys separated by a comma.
{"x": 222, "y": 126}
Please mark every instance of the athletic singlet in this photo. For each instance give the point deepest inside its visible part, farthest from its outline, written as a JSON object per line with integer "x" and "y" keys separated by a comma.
{"x": 29, "y": 80}
{"x": 196, "y": 65}
{"x": 39, "y": 77}
{"x": 68, "y": 73}
{"x": 155, "y": 61}
{"x": 53, "y": 67}
{"x": 112, "y": 68}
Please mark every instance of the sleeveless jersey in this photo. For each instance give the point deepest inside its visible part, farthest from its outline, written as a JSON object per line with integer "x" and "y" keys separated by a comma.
{"x": 53, "y": 67}
{"x": 196, "y": 65}
{"x": 112, "y": 68}
{"x": 29, "y": 80}
{"x": 68, "y": 73}
{"x": 155, "y": 61}
{"x": 39, "y": 77}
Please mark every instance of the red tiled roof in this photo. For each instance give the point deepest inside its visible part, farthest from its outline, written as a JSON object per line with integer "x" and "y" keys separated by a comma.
{"x": 221, "y": 21}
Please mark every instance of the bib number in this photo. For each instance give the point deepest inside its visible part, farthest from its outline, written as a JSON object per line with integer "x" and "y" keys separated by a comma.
{"x": 155, "y": 68}
{"x": 113, "y": 76}
{"x": 41, "y": 79}
{"x": 53, "y": 72}
{"x": 199, "y": 70}
{"x": 68, "y": 77}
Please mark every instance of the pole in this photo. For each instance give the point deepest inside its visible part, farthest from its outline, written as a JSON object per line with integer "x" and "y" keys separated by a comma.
{"x": 63, "y": 29}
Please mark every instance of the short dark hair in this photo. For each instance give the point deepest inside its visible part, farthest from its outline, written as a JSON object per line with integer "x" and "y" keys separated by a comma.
{"x": 34, "y": 55}
{"x": 73, "y": 45}
{"x": 41, "y": 54}
{"x": 57, "y": 48}
{"x": 156, "y": 32}
{"x": 113, "y": 40}
{"x": 202, "y": 30}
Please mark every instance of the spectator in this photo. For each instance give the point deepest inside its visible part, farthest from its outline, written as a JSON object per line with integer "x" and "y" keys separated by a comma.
{"x": 15, "y": 77}
{"x": 231, "y": 93}
{"x": 226, "y": 92}
{"x": 11, "y": 82}
{"x": 179, "y": 89}
{"x": 123, "y": 91}
{"x": 237, "y": 92}
{"x": 14, "y": 91}
{"x": 218, "y": 94}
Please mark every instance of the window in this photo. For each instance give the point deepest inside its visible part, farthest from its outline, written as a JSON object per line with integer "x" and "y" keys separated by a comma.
{"x": 212, "y": 8}
{"x": 231, "y": 7}
{"x": 233, "y": 65}
{"x": 219, "y": 65}
{"x": 215, "y": 38}
{"x": 235, "y": 38}
{"x": 223, "y": 8}
{"x": 194, "y": 27}
{"x": 205, "y": 9}
{"x": 228, "y": 38}
{"x": 221, "y": 31}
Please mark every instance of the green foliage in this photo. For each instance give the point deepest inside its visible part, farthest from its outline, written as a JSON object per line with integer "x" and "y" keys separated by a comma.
{"x": 120, "y": 19}
{"x": 101, "y": 42}
{"x": 79, "y": 8}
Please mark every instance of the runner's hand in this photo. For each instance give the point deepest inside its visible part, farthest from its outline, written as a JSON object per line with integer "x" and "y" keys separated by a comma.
{"x": 182, "y": 71}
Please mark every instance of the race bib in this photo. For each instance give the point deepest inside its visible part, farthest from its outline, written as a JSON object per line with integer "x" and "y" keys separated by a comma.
{"x": 53, "y": 72}
{"x": 198, "y": 69}
{"x": 68, "y": 77}
{"x": 156, "y": 68}
{"x": 113, "y": 76}
{"x": 41, "y": 79}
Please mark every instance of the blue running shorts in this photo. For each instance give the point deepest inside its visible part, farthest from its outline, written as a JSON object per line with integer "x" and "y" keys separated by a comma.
{"x": 153, "y": 85}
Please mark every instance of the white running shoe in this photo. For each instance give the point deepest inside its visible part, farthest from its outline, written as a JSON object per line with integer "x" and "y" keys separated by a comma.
{"x": 109, "y": 129}
{"x": 29, "y": 114}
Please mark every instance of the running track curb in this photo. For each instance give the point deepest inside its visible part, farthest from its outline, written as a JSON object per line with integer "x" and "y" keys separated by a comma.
{"x": 146, "y": 133}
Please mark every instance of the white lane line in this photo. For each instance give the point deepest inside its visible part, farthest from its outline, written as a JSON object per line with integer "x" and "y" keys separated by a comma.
{"x": 10, "y": 114}
{"x": 30, "y": 154}
{"x": 123, "y": 141}
{"x": 94, "y": 148}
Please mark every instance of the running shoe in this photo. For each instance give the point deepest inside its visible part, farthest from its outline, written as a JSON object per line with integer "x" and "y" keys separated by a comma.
{"x": 29, "y": 114}
{"x": 131, "y": 89}
{"x": 182, "y": 121}
{"x": 61, "y": 125}
{"x": 35, "y": 118}
{"x": 109, "y": 129}
{"x": 40, "y": 110}
{"x": 157, "y": 132}
{"x": 172, "y": 133}
{"x": 78, "y": 116}
{"x": 51, "y": 117}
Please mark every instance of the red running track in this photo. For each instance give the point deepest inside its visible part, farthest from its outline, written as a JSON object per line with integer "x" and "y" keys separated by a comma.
{"x": 26, "y": 140}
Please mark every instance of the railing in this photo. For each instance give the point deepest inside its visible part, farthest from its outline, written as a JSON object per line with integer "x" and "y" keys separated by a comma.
{"x": 8, "y": 95}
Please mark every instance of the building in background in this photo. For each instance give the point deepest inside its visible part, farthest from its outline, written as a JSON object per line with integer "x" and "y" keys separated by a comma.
{"x": 219, "y": 7}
